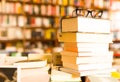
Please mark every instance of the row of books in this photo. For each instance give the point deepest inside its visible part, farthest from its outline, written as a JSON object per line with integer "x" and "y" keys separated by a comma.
{"x": 86, "y": 46}
{"x": 54, "y": 2}
{"x": 86, "y": 3}
{"x": 6, "y": 7}
{"x": 9, "y": 20}
{"x": 17, "y": 33}
{"x": 45, "y": 10}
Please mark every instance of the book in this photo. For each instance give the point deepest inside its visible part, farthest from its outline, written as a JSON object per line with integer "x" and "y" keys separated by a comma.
{"x": 85, "y": 44}
{"x": 84, "y": 37}
{"x": 87, "y": 72}
{"x": 86, "y": 49}
{"x": 87, "y": 59}
{"x": 31, "y": 63}
{"x": 61, "y": 76}
{"x": 83, "y": 67}
{"x": 83, "y": 24}
{"x": 12, "y": 73}
{"x": 70, "y": 53}
{"x": 9, "y": 60}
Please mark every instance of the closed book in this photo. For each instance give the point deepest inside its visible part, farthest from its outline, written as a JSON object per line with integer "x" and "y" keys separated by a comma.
{"x": 83, "y": 67}
{"x": 98, "y": 72}
{"x": 83, "y": 24}
{"x": 70, "y": 53}
{"x": 85, "y": 44}
{"x": 86, "y": 49}
{"x": 84, "y": 37}
{"x": 87, "y": 59}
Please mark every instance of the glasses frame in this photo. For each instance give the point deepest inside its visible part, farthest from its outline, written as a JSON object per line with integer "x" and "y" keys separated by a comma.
{"x": 98, "y": 13}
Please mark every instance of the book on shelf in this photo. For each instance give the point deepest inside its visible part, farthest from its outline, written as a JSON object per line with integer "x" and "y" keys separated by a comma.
{"x": 70, "y": 53}
{"x": 98, "y": 72}
{"x": 31, "y": 63}
{"x": 83, "y": 24}
{"x": 84, "y": 37}
{"x": 87, "y": 59}
{"x": 88, "y": 66}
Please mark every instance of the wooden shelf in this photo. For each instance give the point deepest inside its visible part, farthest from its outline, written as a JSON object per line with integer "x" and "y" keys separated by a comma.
{"x": 10, "y": 40}
{"x": 14, "y": 14}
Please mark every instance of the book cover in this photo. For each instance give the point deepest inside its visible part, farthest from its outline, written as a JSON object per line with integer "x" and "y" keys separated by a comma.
{"x": 87, "y": 59}
{"x": 83, "y": 24}
{"x": 84, "y": 37}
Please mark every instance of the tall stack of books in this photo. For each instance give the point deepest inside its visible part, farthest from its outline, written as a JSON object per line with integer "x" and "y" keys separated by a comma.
{"x": 86, "y": 46}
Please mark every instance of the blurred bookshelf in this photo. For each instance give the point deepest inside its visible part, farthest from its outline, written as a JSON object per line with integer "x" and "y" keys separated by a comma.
{"x": 31, "y": 21}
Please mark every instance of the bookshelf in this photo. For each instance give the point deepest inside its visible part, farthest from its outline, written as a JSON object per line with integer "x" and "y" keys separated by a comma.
{"x": 39, "y": 20}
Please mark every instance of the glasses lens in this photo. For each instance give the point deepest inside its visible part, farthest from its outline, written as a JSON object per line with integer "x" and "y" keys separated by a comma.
{"x": 96, "y": 14}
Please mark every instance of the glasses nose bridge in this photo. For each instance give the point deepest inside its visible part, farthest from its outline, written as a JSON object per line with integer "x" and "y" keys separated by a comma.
{"x": 89, "y": 12}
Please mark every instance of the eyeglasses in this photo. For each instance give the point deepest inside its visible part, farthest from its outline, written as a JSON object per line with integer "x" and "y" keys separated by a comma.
{"x": 87, "y": 12}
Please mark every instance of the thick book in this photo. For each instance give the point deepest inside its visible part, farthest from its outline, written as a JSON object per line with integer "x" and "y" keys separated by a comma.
{"x": 87, "y": 59}
{"x": 97, "y": 72}
{"x": 70, "y": 53}
{"x": 83, "y": 67}
{"x": 86, "y": 49}
{"x": 85, "y": 44}
{"x": 84, "y": 37}
{"x": 83, "y": 24}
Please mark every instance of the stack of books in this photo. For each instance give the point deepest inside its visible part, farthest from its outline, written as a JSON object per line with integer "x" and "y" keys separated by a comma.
{"x": 86, "y": 46}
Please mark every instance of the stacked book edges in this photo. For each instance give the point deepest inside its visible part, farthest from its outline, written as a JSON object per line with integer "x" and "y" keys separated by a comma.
{"x": 86, "y": 46}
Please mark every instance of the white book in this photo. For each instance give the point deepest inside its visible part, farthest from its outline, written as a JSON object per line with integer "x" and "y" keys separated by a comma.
{"x": 83, "y": 24}
{"x": 85, "y": 44}
{"x": 86, "y": 49}
{"x": 84, "y": 37}
{"x": 70, "y": 53}
{"x": 98, "y": 72}
{"x": 92, "y": 66}
{"x": 87, "y": 59}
